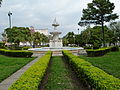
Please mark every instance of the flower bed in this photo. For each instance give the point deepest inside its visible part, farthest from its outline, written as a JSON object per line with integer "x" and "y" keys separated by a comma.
{"x": 96, "y": 78}
{"x": 31, "y": 79}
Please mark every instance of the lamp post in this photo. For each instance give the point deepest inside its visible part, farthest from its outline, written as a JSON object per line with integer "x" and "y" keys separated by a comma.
{"x": 9, "y": 15}
{"x": 78, "y": 30}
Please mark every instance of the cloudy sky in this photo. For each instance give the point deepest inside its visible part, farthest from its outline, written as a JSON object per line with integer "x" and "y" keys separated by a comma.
{"x": 41, "y": 13}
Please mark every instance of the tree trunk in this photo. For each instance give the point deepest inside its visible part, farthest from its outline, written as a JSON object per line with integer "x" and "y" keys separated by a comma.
{"x": 103, "y": 32}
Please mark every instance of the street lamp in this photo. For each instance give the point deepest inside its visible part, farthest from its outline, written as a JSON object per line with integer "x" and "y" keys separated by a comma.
{"x": 9, "y": 15}
{"x": 78, "y": 30}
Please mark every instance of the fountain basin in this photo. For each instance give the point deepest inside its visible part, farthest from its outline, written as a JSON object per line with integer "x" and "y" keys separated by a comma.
{"x": 54, "y": 49}
{"x": 43, "y": 50}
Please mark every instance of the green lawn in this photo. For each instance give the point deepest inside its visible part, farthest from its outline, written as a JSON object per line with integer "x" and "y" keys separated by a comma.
{"x": 110, "y": 63}
{"x": 58, "y": 77}
{"x": 9, "y": 65}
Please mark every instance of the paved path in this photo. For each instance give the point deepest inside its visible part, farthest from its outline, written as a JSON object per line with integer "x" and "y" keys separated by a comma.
{"x": 57, "y": 54}
{"x": 4, "y": 85}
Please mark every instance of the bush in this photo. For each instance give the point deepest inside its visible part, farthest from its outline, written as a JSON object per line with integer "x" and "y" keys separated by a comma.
{"x": 115, "y": 48}
{"x": 87, "y": 47}
{"x": 33, "y": 76}
{"x": 14, "y": 47}
{"x": 2, "y": 44}
{"x": 101, "y": 51}
{"x": 16, "y": 53}
{"x": 95, "y": 77}
{"x": 26, "y": 48}
{"x": 2, "y": 51}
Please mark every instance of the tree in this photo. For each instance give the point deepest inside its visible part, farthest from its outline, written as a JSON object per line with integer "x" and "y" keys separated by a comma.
{"x": 93, "y": 36}
{"x": 0, "y": 2}
{"x": 115, "y": 29}
{"x": 44, "y": 39}
{"x": 101, "y": 11}
{"x": 69, "y": 38}
{"x": 17, "y": 34}
{"x": 36, "y": 38}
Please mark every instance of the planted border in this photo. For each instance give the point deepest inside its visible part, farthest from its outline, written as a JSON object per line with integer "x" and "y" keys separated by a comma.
{"x": 33, "y": 76}
{"x": 16, "y": 53}
{"x": 96, "y": 78}
{"x": 101, "y": 51}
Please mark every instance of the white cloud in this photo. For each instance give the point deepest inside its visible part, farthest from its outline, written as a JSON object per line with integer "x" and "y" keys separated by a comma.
{"x": 40, "y": 13}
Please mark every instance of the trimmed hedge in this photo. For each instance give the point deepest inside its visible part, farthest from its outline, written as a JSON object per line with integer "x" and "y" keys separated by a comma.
{"x": 16, "y": 53}
{"x": 33, "y": 76}
{"x": 26, "y": 48}
{"x": 101, "y": 51}
{"x": 95, "y": 77}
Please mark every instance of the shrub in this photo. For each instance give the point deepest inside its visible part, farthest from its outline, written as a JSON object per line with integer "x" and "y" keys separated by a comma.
{"x": 96, "y": 78}
{"x": 2, "y": 44}
{"x": 87, "y": 47}
{"x": 26, "y": 48}
{"x": 101, "y": 51}
{"x": 33, "y": 76}
{"x": 16, "y": 53}
{"x": 115, "y": 48}
{"x": 2, "y": 51}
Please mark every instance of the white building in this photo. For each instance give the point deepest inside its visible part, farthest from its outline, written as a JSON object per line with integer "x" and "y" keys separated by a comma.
{"x": 44, "y": 31}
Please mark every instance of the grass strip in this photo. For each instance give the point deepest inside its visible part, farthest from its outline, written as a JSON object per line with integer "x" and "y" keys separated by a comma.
{"x": 58, "y": 78}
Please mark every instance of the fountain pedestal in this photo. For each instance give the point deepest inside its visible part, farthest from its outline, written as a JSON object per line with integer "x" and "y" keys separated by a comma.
{"x": 55, "y": 42}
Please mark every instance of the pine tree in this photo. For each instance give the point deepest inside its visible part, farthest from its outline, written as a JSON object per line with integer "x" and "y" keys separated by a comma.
{"x": 101, "y": 11}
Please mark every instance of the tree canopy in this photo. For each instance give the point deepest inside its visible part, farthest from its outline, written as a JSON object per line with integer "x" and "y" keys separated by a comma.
{"x": 101, "y": 11}
{"x": 0, "y": 2}
{"x": 18, "y": 34}
{"x": 15, "y": 35}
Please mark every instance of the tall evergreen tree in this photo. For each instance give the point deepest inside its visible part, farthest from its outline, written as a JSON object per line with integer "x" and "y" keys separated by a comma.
{"x": 101, "y": 11}
{"x": 0, "y": 2}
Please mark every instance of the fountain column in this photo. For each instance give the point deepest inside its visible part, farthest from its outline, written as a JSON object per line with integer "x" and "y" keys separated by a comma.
{"x": 55, "y": 42}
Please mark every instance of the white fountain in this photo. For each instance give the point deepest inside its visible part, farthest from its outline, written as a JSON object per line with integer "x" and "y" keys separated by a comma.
{"x": 56, "y": 42}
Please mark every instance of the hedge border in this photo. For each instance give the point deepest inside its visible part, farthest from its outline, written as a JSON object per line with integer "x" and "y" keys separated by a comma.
{"x": 33, "y": 76}
{"x": 16, "y": 53}
{"x": 96, "y": 78}
{"x": 101, "y": 51}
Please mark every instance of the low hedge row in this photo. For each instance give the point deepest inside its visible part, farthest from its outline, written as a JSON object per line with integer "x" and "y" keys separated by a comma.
{"x": 26, "y": 48}
{"x": 16, "y": 53}
{"x": 101, "y": 51}
{"x": 31, "y": 79}
{"x": 96, "y": 78}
